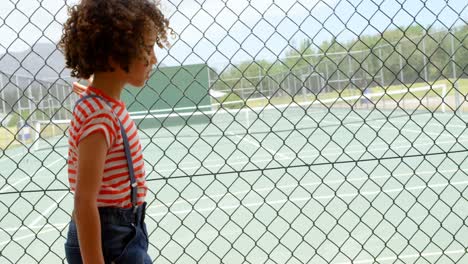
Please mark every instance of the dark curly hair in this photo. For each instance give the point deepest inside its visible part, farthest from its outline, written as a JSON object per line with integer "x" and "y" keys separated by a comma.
{"x": 98, "y": 30}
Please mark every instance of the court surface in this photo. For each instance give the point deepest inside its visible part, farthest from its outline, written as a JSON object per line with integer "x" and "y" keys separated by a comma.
{"x": 302, "y": 186}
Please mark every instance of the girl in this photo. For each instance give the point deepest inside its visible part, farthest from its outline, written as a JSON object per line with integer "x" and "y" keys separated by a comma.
{"x": 113, "y": 40}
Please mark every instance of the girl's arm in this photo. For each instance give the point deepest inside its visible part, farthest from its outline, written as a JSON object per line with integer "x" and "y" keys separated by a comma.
{"x": 92, "y": 152}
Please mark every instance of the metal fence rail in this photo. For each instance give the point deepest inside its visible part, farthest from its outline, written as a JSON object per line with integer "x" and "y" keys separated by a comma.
{"x": 334, "y": 132}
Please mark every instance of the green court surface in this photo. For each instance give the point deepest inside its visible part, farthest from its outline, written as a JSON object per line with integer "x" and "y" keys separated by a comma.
{"x": 302, "y": 186}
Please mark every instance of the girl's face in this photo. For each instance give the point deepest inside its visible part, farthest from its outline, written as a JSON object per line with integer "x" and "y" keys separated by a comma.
{"x": 141, "y": 67}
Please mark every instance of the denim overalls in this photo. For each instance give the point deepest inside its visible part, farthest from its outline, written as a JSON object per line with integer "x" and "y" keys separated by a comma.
{"x": 123, "y": 231}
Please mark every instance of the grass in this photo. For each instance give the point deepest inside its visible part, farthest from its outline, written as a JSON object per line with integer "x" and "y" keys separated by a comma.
{"x": 7, "y": 137}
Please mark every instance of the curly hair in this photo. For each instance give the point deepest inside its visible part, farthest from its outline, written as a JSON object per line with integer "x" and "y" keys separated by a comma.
{"x": 98, "y": 30}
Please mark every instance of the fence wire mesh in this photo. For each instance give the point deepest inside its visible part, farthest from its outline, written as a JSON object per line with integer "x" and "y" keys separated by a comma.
{"x": 320, "y": 131}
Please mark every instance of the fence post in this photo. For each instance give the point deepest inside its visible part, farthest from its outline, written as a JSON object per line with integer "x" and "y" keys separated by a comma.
{"x": 454, "y": 73}
{"x": 426, "y": 77}
{"x": 3, "y": 95}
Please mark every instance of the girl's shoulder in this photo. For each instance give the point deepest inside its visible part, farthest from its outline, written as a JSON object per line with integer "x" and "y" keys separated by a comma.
{"x": 91, "y": 106}
{"x": 93, "y": 114}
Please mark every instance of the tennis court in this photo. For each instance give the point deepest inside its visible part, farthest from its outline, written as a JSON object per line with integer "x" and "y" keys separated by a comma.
{"x": 306, "y": 184}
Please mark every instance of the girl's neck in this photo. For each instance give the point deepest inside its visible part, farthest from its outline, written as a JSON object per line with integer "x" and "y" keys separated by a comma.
{"x": 108, "y": 84}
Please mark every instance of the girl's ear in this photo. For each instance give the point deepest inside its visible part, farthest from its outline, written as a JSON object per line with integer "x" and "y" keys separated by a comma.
{"x": 114, "y": 65}
{"x": 78, "y": 88}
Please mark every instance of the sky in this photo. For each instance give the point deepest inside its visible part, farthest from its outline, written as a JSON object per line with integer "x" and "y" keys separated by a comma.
{"x": 219, "y": 31}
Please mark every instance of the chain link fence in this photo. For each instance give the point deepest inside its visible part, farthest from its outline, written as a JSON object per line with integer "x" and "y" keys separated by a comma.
{"x": 310, "y": 131}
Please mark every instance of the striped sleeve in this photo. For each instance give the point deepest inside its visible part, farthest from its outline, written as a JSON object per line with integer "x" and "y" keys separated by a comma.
{"x": 99, "y": 121}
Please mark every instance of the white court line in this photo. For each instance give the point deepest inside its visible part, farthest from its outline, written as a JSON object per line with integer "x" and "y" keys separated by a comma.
{"x": 11, "y": 185}
{"x": 14, "y": 156}
{"x": 405, "y": 129}
{"x": 282, "y": 201}
{"x": 42, "y": 214}
{"x": 398, "y": 121}
{"x": 242, "y": 163}
{"x": 218, "y": 163}
{"x": 388, "y": 128}
{"x": 409, "y": 256}
{"x": 16, "y": 239}
{"x": 428, "y": 123}
{"x": 302, "y": 199}
{"x": 289, "y": 186}
{"x": 363, "y": 261}
{"x": 29, "y": 228}
{"x": 45, "y": 212}
{"x": 272, "y": 152}
{"x": 269, "y": 189}
{"x": 285, "y": 157}
{"x": 19, "y": 154}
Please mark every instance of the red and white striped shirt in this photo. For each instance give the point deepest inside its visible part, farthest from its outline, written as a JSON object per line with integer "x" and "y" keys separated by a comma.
{"x": 93, "y": 115}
